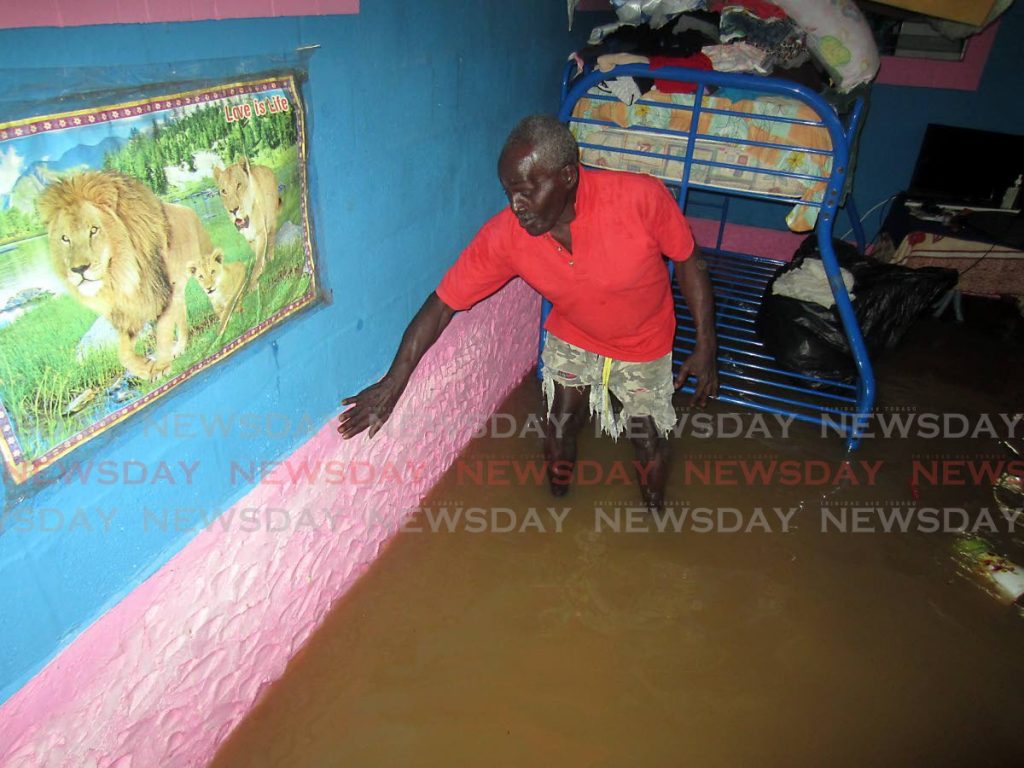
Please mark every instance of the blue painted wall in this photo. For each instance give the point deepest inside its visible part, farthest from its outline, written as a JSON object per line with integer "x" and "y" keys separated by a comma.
{"x": 409, "y": 104}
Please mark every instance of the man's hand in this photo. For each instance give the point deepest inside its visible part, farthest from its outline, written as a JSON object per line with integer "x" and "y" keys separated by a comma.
{"x": 371, "y": 408}
{"x": 694, "y": 284}
{"x": 702, "y": 365}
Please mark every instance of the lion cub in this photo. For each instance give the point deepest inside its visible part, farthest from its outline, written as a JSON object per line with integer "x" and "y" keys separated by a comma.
{"x": 221, "y": 281}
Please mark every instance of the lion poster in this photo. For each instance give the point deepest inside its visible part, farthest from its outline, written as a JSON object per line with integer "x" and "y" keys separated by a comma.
{"x": 140, "y": 243}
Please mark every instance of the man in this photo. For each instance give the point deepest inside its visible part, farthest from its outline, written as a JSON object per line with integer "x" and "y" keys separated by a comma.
{"x": 592, "y": 243}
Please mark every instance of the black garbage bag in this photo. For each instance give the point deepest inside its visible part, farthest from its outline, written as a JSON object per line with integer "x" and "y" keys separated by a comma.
{"x": 808, "y": 338}
{"x": 805, "y": 337}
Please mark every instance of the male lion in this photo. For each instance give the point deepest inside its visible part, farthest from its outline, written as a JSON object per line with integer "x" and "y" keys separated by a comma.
{"x": 222, "y": 282}
{"x": 249, "y": 193}
{"x": 124, "y": 254}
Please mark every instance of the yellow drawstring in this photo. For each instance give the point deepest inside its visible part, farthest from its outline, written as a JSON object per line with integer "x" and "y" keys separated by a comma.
{"x": 606, "y": 375}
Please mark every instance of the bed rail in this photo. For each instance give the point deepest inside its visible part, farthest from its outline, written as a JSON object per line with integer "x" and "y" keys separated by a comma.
{"x": 748, "y": 374}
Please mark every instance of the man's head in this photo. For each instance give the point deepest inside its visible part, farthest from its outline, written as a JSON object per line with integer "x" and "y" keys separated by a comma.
{"x": 539, "y": 170}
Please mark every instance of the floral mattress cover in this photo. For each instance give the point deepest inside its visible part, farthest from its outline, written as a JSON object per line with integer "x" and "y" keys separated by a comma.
{"x": 739, "y": 117}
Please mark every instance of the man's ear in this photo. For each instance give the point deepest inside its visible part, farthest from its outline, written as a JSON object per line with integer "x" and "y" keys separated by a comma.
{"x": 570, "y": 175}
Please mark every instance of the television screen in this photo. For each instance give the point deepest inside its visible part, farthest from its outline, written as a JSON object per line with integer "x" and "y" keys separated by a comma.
{"x": 966, "y": 166}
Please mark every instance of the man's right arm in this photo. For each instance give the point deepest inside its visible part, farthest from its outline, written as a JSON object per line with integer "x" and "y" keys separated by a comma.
{"x": 373, "y": 406}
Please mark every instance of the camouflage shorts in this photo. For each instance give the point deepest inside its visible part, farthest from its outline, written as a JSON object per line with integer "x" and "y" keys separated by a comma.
{"x": 643, "y": 389}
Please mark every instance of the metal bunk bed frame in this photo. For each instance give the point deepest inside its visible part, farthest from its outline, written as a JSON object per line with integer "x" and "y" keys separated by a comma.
{"x": 748, "y": 374}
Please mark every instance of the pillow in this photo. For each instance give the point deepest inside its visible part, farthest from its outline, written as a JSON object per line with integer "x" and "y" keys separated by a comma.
{"x": 839, "y": 36}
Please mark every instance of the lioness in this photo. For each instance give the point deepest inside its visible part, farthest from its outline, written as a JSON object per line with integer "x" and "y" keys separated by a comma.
{"x": 249, "y": 193}
{"x": 124, "y": 254}
{"x": 222, "y": 282}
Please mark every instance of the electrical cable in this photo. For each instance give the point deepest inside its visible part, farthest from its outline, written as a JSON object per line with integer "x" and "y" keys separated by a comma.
{"x": 867, "y": 213}
{"x": 978, "y": 260}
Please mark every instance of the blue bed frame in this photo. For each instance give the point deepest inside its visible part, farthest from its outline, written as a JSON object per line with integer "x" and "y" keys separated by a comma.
{"x": 748, "y": 374}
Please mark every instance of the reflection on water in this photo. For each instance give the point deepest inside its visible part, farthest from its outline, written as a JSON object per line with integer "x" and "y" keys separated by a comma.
{"x": 26, "y": 264}
{"x": 587, "y": 646}
{"x": 8, "y": 316}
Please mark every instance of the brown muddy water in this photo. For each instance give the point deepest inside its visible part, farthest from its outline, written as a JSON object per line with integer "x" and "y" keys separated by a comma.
{"x": 522, "y": 638}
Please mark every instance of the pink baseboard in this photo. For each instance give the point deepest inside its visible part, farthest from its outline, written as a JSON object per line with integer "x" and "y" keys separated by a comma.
{"x": 72, "y": 13}
{"x": 164, "y": 676}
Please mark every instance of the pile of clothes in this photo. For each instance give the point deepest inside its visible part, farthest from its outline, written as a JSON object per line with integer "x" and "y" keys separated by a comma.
{"x": 824, "y": 46}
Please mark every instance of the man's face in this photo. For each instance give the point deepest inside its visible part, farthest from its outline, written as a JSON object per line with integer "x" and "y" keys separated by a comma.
{"x": 539, "y": 197}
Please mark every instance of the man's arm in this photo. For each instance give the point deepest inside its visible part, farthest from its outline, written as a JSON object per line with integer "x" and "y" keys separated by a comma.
{"x": 692, "y": 276}
{"x": 373, "y": 406}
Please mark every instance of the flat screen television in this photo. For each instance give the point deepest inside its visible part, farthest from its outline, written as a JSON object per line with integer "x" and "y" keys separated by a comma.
{"x": 966, "y": 166}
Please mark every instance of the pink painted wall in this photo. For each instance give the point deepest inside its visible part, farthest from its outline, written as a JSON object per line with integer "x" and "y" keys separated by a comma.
{"x": 163, "y": 677}
{"x": 962, "y": 75}
{"x": 72, "y": 13}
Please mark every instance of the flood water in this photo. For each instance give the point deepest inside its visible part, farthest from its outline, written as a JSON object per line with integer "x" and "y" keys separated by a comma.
{"x": 604, "y": 643}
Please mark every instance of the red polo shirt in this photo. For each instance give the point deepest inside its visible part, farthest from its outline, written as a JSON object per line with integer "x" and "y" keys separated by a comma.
{"x": 611, "y": 295}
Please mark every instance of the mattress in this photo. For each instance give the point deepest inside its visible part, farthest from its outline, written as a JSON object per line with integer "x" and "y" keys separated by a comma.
{"x": 613, "y": 134}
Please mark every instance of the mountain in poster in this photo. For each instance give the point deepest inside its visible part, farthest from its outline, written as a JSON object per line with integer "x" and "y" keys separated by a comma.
{"x": 40, "y": 173}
